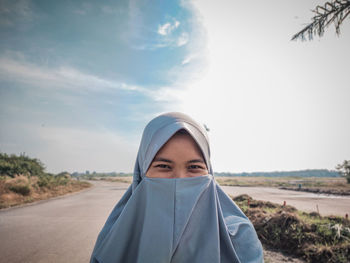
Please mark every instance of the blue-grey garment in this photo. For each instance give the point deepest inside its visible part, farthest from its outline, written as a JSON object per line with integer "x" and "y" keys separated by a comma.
{"x": 161, "y": 220}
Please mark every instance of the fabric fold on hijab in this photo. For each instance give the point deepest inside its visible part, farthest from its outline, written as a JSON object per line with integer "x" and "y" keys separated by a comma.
{"x": 175, "y": 220}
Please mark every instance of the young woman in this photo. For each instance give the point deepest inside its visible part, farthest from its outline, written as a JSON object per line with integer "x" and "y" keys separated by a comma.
{"x": 174, "y": 211}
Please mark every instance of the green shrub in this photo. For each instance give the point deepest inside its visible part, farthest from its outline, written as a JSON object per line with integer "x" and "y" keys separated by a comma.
{"x": 12, "y": 165}
{"x": 50, "y": 180}
{"x": 44, "y": 181}
{"x": 20, "y": 189}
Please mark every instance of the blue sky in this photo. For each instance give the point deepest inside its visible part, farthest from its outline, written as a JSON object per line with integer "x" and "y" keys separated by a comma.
{"x": 80, "y": 79}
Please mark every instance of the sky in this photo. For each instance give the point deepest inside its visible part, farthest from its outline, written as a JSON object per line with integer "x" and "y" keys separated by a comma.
{"x": 79, "y": 80}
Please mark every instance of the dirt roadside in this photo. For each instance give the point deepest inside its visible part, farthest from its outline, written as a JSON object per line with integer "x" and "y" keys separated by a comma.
{"x": 272, "y": 256}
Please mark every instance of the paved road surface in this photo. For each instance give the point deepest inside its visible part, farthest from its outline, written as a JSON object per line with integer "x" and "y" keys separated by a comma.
{"x": 59, "y": 230}
{"x": 327, "y": 204}
{"x": 65, "y": 229}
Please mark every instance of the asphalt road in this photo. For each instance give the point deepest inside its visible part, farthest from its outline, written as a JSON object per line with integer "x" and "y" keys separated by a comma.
{"x": 65, "y": 229}
{"x": 59, "y": 230}
{"x": 308, "y": 202}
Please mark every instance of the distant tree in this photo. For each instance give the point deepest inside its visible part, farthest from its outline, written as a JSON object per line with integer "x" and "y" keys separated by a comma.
{"x": 63, "y": 174}
{"x": 335, "y": 11}
{"x": 12, "y": 165}
{"x": 344, "y": 169}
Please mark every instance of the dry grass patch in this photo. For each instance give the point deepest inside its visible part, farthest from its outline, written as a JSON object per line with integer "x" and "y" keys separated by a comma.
{"x": 310, "y": 236}
{"x": 23, "y": 189}
{"x": 122, "y": 179}
{"x": 327, "y": 185}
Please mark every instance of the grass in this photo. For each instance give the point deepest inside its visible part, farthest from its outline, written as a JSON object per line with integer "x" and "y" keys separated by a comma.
{"x": 123, "y": 179}
{"x": 25, "y": 189}
{"x": 328, "y": 185}
{"x": 307, "y": 235}
{"x": 337, "y": 182}
{"x": 20, "y": 189}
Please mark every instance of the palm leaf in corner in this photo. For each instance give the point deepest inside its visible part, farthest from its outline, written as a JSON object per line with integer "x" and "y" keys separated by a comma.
{"x": 335, "y": 12}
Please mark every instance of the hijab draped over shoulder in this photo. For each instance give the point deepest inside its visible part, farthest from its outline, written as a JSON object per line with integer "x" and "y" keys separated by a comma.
{"x": 161, "y": 220}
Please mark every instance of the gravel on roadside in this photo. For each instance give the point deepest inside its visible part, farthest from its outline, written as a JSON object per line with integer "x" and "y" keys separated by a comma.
{"x": 273, "y": 256}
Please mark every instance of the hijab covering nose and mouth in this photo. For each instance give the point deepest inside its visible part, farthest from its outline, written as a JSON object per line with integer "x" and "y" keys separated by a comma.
{"x": 161, "y": 220}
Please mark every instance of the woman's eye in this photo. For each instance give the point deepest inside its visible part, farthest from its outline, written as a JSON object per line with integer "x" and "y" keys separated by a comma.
{"x": 163, "y": 166}
{"x": 195, "y": 167}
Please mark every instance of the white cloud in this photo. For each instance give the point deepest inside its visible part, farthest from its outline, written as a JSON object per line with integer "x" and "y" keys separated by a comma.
{"x": 168, "y": 39}
{"x": 169, "y": 94}
{"x": 62, "y": 77}
{"x": 188, "y": 59}
{"x": 164, "y": 29}
{"x": 183, "y": 39}
{"x": 68, "y": 78}
{"x": 151, "y": 46}
{"x": 167, "y": 28}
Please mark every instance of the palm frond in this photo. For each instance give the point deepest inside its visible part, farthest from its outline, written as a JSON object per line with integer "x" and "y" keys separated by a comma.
{"x": 334, "y": 12}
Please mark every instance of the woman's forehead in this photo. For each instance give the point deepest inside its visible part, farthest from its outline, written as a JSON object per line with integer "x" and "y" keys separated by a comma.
{"x": 180, "y": 149}
{"x": 182, "y": 141}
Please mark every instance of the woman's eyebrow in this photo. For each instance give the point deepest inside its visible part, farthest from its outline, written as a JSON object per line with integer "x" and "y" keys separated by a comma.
{"x": 160, "y": 159}
{"x": 196, "y": 161}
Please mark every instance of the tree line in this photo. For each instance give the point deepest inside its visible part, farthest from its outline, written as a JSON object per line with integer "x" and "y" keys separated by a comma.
{"x": 12, "y": 165}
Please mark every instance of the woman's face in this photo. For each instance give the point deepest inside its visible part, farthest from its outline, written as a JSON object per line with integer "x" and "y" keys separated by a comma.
{"x": 180, "y": 157}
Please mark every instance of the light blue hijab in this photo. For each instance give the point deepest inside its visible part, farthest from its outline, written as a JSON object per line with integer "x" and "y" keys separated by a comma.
{"x": 160, "y": 220}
